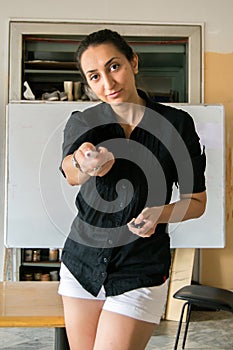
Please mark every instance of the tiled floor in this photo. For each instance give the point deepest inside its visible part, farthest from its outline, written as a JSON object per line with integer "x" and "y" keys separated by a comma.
{"x": 208, "y": 330}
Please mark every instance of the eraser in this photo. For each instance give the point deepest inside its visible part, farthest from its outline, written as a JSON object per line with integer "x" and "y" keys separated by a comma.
{"x": 140, "y": 225}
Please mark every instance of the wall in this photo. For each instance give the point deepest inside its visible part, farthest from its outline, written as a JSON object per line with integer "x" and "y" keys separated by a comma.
{"x": 217, "y": 17}
{"x": 217, "y": 263}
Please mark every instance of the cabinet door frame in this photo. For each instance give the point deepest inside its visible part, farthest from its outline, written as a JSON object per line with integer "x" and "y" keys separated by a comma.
{"x": 194, "y": 33}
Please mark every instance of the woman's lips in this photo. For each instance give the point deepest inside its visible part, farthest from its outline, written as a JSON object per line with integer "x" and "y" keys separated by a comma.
{"x": 114, "y": 94}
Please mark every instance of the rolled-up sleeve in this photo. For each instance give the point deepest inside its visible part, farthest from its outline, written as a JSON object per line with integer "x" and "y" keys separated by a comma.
{"x": 191, "y": 174}
{"x": 196, "y": 182}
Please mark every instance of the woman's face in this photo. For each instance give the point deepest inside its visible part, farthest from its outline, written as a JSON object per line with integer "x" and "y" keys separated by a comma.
{"x": 109, "y": 73}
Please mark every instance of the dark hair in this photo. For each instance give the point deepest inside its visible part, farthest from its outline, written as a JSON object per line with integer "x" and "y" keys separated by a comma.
{"x": 101, "y": 37}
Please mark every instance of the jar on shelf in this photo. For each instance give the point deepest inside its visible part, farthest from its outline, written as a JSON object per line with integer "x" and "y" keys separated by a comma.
{"x": 36, "y": 255}
{"x": 28, "y": 277}
{"x": 37, "y": 276}
{"x": 53, "y": 275}
{"x": 53, "y": 254}
{"x": 28, "y": 255}
{"x": 45, "y": 277}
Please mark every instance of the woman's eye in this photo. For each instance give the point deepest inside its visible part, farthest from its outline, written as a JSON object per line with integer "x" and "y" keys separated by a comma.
{"x": 114, "y": 66}
{"x": 94, "y": 77}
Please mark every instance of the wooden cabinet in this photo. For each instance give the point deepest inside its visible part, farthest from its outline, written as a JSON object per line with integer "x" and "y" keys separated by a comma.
{"x": 170, "y": 57}
{"x": 39, "y": 264}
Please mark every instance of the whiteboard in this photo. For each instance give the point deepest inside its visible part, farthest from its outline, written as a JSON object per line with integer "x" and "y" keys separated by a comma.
{"x": 40, "y": 204}
{"x": 209, "y": 230}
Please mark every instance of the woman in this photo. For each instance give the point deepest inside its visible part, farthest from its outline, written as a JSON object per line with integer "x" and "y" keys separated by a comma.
{"x": 126, "y": 153}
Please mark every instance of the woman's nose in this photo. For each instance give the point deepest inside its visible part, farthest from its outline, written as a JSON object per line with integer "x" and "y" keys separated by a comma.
{"x": 108, "y": 81}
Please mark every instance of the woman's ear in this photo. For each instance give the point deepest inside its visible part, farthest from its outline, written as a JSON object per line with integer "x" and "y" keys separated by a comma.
{"x": 134, "y": 63}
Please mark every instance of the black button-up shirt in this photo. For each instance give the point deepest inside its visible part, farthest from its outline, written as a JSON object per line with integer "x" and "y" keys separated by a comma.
{"x": 162, "y": 150}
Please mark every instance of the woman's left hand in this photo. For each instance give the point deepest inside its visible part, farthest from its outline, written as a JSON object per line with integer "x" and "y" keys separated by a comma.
{"x": 147, "y": 221}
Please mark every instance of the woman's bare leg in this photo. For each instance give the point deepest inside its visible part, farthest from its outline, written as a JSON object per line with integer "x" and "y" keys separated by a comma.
{"x": 81, "y": 320}
{"x": 119, "y": 332}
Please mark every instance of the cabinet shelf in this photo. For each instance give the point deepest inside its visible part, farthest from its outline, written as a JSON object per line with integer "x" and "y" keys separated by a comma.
{"x": 49, "y": 65}
{"x": 50, "y": 71}
{"x": 42, "y": 263}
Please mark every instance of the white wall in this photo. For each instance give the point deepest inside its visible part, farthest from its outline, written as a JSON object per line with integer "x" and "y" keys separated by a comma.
{"x": 216, "y": 15}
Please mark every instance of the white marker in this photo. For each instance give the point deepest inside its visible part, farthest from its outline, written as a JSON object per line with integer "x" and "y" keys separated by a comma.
{"x": 91, "y": 154}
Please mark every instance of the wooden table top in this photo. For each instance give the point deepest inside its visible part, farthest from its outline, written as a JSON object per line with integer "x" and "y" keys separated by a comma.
{"x": 30, "y": 304}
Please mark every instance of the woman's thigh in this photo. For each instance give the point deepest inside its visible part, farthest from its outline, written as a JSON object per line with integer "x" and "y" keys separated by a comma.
{"x": 81, "y": 320}
{"x": 119, "y": 332}
{"x": 129, "y": 319}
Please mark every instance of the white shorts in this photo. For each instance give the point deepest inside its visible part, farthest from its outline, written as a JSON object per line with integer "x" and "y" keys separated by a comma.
{"x": 145, "y": 304}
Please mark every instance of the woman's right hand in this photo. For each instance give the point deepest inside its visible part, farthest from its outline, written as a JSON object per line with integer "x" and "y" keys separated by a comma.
{"x": 94, "y": 166}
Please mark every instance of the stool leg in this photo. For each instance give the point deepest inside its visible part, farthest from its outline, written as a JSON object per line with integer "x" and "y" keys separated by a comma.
{"x": 187, "y": 325}
{"x": 61, "y": 341}
{"x": 179, "y": 325}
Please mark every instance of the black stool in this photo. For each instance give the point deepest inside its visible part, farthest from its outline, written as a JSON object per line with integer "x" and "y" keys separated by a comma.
{"x": 202, "y": 296}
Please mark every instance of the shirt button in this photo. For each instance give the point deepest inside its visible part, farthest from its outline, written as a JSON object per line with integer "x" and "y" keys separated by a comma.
{"x": 105, "y": 260}
{"x": 121, "y": 205}
{"x": 103, "y": 274}
{"x": 110, "y": 241}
